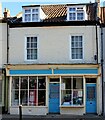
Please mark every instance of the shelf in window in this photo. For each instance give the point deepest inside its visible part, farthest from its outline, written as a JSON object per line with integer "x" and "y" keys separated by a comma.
{"x": 72, "y": 106}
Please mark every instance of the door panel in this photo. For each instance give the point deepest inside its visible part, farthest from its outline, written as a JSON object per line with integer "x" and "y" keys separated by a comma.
{"x": 91, "y": 98}
{"x": 54, "y": 98}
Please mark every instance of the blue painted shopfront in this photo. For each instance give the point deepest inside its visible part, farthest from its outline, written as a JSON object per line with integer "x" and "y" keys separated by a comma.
{"x": 91, "y": 106}
{"x": 54, "y": 90}
{"x": 55, "y": 71}
{"x": 54, "y": 98}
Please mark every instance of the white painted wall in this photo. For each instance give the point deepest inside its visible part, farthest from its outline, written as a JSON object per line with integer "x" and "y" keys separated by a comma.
{"x": 3, "y": 44}
{"x": 29, "y": 110}
{"x": 104, "y": 51}
{"x": 53, "y": 44}
{"x": 72, "y": 111}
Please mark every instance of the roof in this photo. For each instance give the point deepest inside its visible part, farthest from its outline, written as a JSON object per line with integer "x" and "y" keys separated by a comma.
{"x": 46, "y": 24}
{"x": 58, "y": 13}
{"x": 54, "y": 12}
{"x": 30, "y": 6}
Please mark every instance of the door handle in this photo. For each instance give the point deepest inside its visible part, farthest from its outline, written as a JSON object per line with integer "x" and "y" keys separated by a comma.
{"x": 90, "y": 103}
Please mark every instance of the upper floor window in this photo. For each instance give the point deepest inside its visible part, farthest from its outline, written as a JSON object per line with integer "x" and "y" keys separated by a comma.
{"x": 31, "y": 48}
{"x": 76, "y": 47}
{"x": 31, "y": 15}
{"x": 76, "y": 13}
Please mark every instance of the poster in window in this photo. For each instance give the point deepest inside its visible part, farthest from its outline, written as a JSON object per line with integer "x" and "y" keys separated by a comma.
{"x": 63, "y": 86}
{"x": 31, "y": 98}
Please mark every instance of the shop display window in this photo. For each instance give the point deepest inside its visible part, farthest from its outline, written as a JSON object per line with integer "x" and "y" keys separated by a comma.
{"x": 28, "y": 91}
{"x": 15, "y": 91}
{"x": 72, "y": 91}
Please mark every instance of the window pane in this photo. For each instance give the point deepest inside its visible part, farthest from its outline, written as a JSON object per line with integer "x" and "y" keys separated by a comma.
{"x": 15, "y": 82}
{"x": 24, "y": 97}
{"x": 24, "y": 83}
{"x": 15, "y": 97}
{"x": 32, "y": 83}
{"x": 41, "y": 91}
{"x": 35, "y": 40}
{"x": 28, "y": 39}
{"x": 41, "y": 83}
{"x": 79, "y": 16}
{"x": 34, "y": 17}
{"x": 72, "y": 16}
{"x": 33, "y": 45}
{"x": 78, "y": 83}
{"x": 66, "y": 96}
{"x": 34, "y": 10}
{"x": 32, "y": 91}
{"x": 28, "y": 45}
{"x": 28, "y": 11}
{"x": 66, "y": 82}
{"x": 72, "y": 9}
{"x": 15, "y": 91}
{"x": 77, "y": 97}
{"x": 27, "y": 17}
{"x": 33, "y": 97}
{"x": 41, "y": 97}
{"x": 80, "y": 44}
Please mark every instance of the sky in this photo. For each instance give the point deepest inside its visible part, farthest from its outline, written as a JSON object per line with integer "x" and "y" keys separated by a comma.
{"x": 16, "y": 7}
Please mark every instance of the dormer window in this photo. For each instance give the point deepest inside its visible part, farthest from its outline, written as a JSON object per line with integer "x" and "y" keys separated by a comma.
{"x": 31, "y": 14}
{"x": 76, "y": 13}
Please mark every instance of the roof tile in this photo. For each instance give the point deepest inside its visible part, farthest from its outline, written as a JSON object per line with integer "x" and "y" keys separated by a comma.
{"x": 54, "y": 12}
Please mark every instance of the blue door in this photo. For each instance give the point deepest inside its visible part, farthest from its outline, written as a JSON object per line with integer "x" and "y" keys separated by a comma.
{"x": 91, "y": 98}
{"x": 54, "y": 98}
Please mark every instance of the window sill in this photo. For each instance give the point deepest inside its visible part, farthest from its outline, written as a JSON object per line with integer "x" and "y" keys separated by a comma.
{"x": 29, "y": 106}
{"x": 72, "y": 106}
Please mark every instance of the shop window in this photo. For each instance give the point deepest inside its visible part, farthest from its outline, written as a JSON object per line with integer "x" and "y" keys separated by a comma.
{"x": 24, "y": 90}
{"x": 28, "y": 91}
{"x": 32, "y": 91}
{"x": 72, "y": 91}
{"x": 41, "y": 91}
{"x": 15, "y": 91}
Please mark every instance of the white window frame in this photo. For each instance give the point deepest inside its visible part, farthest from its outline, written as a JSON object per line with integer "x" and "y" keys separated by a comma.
{"x": 31, "y": 13}
{"x": 71, "y": 47}
{"x": 25, "y": 48}
{"x": 37, "y": 77}
{"x": 72, "y": 90}
{"x": 77, "y": 11}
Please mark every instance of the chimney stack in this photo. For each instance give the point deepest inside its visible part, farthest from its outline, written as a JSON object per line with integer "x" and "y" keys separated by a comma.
{"x": 6, "y": 13}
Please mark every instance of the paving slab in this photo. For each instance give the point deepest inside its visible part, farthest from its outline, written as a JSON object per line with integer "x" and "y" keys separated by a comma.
{"x": 53, "y": 117}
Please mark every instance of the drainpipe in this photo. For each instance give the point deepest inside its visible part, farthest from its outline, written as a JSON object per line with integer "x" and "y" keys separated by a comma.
{"x": 102, "y": 70}
{"x": 6, "y": 79}
{"x": 7, "y": 42}
{"x": 6, "y": 15}
{"x": 96, "y": 44}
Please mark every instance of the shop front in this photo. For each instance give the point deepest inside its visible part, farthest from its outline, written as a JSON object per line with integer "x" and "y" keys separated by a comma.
{"x": 65, "y": 90}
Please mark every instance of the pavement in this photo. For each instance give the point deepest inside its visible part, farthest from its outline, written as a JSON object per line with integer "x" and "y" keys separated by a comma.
{"x": 52, "y": 117}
